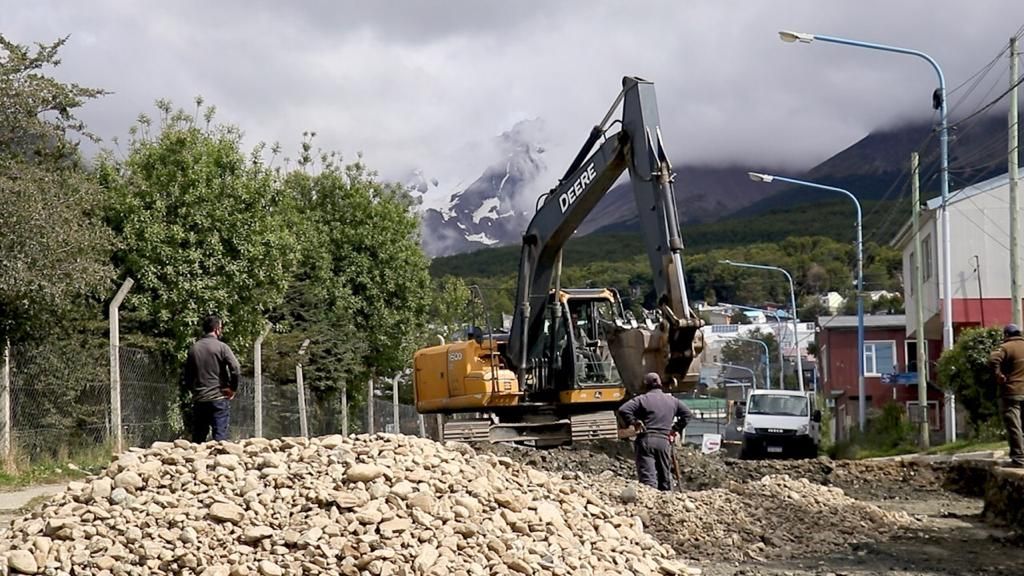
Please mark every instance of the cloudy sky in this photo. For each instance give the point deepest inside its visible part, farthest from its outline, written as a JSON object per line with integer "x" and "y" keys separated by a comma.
{"x": 428, "y": 84}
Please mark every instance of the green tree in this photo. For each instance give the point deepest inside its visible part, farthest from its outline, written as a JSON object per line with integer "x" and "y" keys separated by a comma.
{"x": 750, "y": 354}
{"x": 55, "y": 250}
{"x": 204, "y": 228}
{"x": 964, "y": 370}
{"x": 361, "y": 258}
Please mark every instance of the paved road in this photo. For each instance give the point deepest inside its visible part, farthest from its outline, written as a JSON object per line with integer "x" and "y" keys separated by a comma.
{"x": 12, "y": 504}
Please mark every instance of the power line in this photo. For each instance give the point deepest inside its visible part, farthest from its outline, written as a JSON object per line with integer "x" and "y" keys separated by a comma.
{"x": 990, "y": 104}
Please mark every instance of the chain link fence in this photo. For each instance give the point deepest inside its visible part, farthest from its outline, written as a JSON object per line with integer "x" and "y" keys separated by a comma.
{"x": 60, "y": 404}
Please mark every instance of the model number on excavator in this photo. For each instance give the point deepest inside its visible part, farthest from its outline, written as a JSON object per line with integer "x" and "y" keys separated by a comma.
{"x": 588, "y": 176}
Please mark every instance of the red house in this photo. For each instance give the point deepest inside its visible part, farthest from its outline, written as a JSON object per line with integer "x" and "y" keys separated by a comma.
{"x": 890, "y": 369}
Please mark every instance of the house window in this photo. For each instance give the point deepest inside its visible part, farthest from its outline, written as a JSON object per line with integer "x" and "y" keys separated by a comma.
{"x": 879, "y": 357}
{"x": 911, "y": 350}
{"x": 926, "y": 261}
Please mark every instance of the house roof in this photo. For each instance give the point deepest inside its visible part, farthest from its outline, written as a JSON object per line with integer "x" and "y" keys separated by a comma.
{"x": 870, "y": 321}
{"x": 904, "y": 236}
{"x": 971, "y": 191}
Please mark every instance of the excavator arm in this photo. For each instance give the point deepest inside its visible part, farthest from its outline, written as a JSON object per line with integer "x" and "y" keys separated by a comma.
{"x": 638, "y": 148}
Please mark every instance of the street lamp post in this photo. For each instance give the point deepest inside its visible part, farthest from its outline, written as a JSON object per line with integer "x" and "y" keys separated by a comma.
{"x": 792, "y": 299}
{"x": 939, "y": 102}
{"x": 767, "y": 360}
{"x": 778, "y": 339}
{"x": 861, "y": 402}
{"x": 753, "y": 376}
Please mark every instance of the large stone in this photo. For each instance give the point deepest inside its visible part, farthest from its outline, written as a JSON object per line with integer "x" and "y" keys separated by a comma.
{"x": 101, "y": 488}
{"x": 364, "y": 473}
{"x": 425, "y": 558}
{"x": 227, "y": 512}
{"x": 257, "y": 533}
{"x": 268, "y": 568}
{"x": 22, "y": 561}
{"x": 229, "y": 461}
{"x": 128, "y": 479}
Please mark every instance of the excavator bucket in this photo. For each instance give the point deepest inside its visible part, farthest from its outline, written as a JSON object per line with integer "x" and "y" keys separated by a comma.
{"x": 674, "y": 353}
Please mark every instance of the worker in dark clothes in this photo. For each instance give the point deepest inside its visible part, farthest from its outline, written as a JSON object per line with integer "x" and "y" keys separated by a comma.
{"x": 657, "y": 417}
{"x": 211, "y": 375}
{"x": 1007, "y": 363}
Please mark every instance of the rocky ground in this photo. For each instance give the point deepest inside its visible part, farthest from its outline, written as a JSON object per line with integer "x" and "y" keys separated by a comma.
{"x": 382, "y": 505}
{"x": 935, "y": 531}
{"x": 393, "y": 505}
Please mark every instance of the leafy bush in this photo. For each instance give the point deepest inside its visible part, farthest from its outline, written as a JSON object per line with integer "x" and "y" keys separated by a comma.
{"x": 964, "y": 370}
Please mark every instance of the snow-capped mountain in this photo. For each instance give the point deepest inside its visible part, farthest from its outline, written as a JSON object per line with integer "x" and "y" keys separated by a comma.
{"x": 497, "y": 206}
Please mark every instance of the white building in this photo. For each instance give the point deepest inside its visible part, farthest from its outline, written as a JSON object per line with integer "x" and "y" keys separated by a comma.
{"x": 979, "y": 258}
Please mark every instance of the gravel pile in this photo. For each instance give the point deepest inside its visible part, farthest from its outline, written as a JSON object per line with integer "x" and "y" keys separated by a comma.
{"x": 382, "y": 505}
{"x": 773, "y": 517}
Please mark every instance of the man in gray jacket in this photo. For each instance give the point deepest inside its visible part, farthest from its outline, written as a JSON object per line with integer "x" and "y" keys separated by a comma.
{"x": 211, "y": 374}
{"x": 657, "y": 417}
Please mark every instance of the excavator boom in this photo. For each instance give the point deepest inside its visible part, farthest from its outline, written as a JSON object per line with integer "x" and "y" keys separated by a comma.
{"x": 638, "y": 148}
{"x": 572, "y": 356}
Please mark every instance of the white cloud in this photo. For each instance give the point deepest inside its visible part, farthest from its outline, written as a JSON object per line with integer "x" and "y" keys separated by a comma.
{"x": 427, "y": 85}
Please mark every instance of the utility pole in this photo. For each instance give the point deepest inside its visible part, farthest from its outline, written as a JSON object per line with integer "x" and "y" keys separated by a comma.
{"x": 1014, "y": 209}
{"x": 922, "y": 352}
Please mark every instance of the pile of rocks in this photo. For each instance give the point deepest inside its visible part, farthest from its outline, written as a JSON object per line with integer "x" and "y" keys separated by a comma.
{"x": 381, "y": 505}
{"x": 774, "y": 517}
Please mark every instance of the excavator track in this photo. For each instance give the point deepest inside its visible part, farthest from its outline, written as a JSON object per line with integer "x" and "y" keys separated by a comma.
{"x": 468, "y": 431}
{"x": 541, "y": 434}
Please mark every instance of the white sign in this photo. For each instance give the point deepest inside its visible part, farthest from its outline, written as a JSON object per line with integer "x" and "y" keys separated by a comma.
{"x": 711, "y": 443}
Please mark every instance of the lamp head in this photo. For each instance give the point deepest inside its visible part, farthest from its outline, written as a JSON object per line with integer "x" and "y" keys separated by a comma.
{"x": 789, "y": 36}
{"x": 757, "y": 177}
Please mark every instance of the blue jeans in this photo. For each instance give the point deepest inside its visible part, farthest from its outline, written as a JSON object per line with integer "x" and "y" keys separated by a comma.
{"x": 207, "y": 415}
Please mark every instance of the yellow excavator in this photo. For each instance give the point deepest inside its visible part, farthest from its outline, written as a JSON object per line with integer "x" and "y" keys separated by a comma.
{"x": 572, "y": 356}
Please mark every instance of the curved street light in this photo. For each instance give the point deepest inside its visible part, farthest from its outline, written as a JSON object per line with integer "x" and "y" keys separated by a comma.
{"x": 939, "y": 103}
{"x": 767, "y": 360}
{"x": 792, "y": 298}
{"x": 861, "y": 402}
{"x": 778, "y": 338}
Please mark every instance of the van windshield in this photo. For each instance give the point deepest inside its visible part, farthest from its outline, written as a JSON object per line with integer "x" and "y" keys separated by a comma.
{"x": 777, "y": 405}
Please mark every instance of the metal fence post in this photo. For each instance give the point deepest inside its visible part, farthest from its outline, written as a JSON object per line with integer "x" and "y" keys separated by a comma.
{"x": 394, "y": 405}
{"x": 423, "y": 428}
{"x": 6, "y": 393}
{"x": 115, "y": 364}
{"x": 257, "y": 360}
{"x": 303, "y": 423}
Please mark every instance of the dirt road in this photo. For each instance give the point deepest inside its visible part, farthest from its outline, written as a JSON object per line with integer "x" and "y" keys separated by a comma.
{"x": 952, "y": 541}
{"x": 949, "y": 538}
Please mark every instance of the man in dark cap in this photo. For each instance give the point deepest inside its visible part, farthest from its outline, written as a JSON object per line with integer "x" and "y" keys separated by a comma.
{"x": 657, "y": 417}
{"x": 1007, "y": 364}
{"x": 211, "y": 374}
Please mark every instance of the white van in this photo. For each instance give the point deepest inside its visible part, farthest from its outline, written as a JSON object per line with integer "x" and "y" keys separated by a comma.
{"x": 780, "y": 423}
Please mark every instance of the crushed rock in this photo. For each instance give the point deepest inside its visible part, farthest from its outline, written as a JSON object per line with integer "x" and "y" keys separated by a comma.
{"x": 383, "y": 505}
